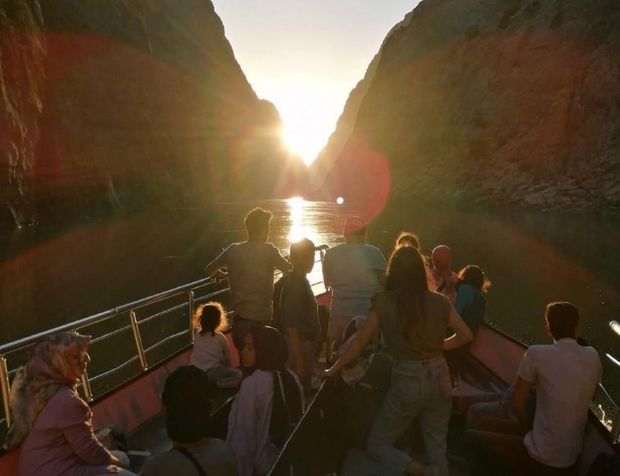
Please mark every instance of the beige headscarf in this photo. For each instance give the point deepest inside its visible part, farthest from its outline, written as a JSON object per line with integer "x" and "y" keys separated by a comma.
{"x": 49, "y": 369}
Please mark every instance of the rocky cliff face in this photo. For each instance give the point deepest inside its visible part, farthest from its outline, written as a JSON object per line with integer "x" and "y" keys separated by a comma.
{"x": 492, "y": 101}
{"x": 113, "y": 103}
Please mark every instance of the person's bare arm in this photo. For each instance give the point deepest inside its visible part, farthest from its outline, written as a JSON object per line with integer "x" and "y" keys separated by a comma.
{"x": 212, "y": 268}
{"x": 519, "y": 402}
{"x": 359, "y": 343}
{"x": 295, "y": 340}
{"x": 462, "y": 333}
{"x": 280, "y": 262}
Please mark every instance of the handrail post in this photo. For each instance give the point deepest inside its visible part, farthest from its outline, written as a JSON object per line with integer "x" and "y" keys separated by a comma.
{"x": 4, "y": 384}
{"x": 136, "y": 335}
{"x": 88, "y": 393}
{"x": 190, "y": 310}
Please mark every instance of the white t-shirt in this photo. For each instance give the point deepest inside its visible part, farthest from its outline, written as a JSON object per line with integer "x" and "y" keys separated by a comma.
{"x": 250, "y": 273}
{"x": 566, "y": 375}
{"x": 352, "y": 271}
{"x": 210, "y": 351}
{"x": 248, "y": 424}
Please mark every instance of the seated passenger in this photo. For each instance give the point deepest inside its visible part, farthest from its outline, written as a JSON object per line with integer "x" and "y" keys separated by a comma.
{"x": 413, "y": 322}
{"x": 210, "y": 353}
{"x": 443, "y": 279}
{"x": 269, "y": 403}
{"x": 186, "y": 397}
{"x": 566, "y": 376}
{"x": 299, "y": 317}
{"x": 50, "y": 420}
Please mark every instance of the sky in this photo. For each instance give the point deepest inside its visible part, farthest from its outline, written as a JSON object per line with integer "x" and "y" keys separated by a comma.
{"x": 305, "y": 56}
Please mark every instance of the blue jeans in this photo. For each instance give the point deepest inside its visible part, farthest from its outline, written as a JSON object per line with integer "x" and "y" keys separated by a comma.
{"x": 418, "y": 389}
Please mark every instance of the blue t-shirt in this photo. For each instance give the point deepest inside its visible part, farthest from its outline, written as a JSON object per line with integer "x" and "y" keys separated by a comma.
{"x": 471, "y": 305}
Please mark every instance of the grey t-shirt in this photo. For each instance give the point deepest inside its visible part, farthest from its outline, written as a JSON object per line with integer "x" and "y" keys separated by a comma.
{"x": 250, "y": 273}
{"x": 214, "y": 455}
{"x": 298, "y": 307}
{"x": 352, "y": 271}
{"x": 426, "y": 338}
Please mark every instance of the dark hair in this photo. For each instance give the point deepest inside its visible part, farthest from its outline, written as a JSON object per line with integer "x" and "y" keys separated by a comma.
{"x": 187, "y": 398}
{"x": 405, "y": 238}
{"x": 210, "y": 317}
{"x": 257, "y": 222}
{"x": 474, "y": 276}
{"x": 300, "y": 248}
{"x": 271, "y": 352}
{"x": 406, "y": 276}
{"x": 563, "y": 318}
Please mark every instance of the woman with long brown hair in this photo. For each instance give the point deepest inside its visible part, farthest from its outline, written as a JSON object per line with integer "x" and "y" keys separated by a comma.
{"x": 413, "y": 321}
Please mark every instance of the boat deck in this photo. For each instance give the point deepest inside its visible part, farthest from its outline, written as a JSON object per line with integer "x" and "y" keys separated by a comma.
{"x": 477, "y": 384}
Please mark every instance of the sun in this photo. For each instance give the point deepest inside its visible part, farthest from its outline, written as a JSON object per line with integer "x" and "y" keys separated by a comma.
{"x": 309, "y": 110}
{"x": 304, "y": 140}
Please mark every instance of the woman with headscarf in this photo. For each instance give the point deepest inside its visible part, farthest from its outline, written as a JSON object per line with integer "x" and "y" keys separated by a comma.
{"x": 51, "y": 422}
{"x": 269, "y": 403}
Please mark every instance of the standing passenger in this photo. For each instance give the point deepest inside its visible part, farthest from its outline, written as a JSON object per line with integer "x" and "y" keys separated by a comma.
{"x": 299, "y": 314}
{"x": 471, "y": 306}
{"x": 354, "y": 271}
{"x": 269, "y": 403}
{"x": 250, "y": 273}
{"x": 413, "y": 321}
{"x": 443, "y": 278}
{"x": 210, "y": 352}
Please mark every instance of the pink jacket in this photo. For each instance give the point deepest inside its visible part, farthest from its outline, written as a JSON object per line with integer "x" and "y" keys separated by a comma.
{"x": 61, "y": 441}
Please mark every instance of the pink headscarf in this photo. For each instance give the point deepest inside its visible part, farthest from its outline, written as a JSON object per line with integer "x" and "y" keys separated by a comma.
{"x": 49, "y": 369}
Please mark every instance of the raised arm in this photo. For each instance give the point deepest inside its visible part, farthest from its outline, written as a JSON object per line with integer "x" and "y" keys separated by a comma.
{"x": 219, "y": 261}
{"x": 462, "y": 333}
{"x": 362, "y": 339}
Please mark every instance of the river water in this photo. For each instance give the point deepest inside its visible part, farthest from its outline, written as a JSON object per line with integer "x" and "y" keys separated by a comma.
{"x": 48, "y": 277}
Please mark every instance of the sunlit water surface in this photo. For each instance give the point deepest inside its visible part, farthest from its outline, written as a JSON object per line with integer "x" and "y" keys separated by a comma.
{"x": 48, "y": 277}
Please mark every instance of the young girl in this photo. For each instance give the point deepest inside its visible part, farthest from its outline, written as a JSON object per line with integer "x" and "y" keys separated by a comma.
{"x": 269, "y": 403}
{"x": 210, "y": 353}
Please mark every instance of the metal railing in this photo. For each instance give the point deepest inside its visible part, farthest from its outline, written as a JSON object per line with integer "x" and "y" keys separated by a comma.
{"x": 193, "y": 293}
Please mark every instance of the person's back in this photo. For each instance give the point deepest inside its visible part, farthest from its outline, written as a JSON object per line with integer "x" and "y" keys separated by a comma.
{"x": 186, "y": 398}
{"x": 209, "y": 350}
{"x": 426, "y": 339}
{"x": 251, "y": 266}
{"x": 352, "y": 271}
{"x": 566, "y": 375}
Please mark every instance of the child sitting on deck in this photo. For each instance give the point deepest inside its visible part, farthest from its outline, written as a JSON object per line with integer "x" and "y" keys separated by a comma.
{"x": 211, "y": 353}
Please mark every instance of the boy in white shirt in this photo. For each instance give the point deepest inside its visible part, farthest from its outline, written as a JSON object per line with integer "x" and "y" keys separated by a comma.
{"x": 565, "y": 375}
